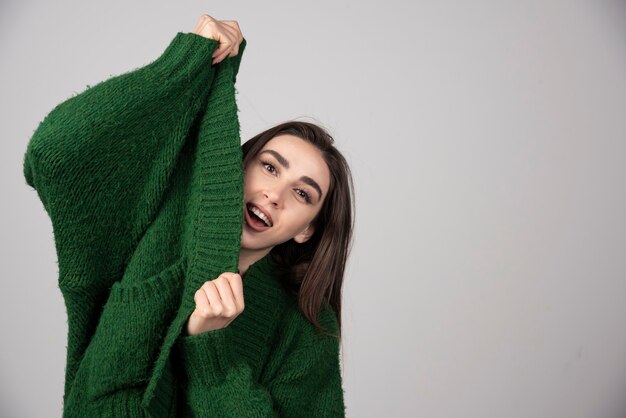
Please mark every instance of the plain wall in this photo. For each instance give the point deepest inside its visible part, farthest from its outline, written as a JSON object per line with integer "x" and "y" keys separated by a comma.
{"x": 487, "y": 142}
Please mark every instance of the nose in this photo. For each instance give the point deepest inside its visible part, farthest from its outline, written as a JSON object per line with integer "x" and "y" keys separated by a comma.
{"x": 275, "y": 195}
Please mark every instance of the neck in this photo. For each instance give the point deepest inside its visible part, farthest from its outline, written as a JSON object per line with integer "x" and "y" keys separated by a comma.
{"x": 249, "y": 257}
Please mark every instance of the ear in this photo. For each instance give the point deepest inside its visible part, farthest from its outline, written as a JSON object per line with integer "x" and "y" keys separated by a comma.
{"x": 304, "y": 236}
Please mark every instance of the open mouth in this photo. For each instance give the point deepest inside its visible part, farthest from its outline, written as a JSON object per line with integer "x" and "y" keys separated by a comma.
{"x": 257, "y": 218}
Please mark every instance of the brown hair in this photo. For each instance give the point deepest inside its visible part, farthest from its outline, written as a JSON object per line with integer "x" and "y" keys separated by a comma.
{"x": 314, "y": 269}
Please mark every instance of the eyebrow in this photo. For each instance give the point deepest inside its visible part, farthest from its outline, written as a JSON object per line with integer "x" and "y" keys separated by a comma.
{"x": 305, "y": 179}
{"x": 279, "y": 157}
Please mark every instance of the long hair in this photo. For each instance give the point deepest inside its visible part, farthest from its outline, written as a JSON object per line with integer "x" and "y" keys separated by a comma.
{"x": 315, "y": 269}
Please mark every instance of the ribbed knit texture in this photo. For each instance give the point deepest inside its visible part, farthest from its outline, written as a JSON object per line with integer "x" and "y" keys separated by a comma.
{"x": 142, "y": 178}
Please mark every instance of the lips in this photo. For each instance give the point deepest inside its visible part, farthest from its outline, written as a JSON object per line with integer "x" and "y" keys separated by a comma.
{"x": 257, "y": 218}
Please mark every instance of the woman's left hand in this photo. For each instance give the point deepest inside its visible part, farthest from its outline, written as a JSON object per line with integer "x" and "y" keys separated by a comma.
{"x": 218, "y": 303}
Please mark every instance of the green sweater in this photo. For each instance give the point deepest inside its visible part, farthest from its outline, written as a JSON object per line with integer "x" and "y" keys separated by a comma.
{"x": 142, "y": 178}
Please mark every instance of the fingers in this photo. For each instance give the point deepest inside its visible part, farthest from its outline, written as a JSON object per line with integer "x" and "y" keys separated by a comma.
{"x": 218, "y": 303}
{"x": 226, "y": 32}
{"x": 236, "y": 286}
{"x": 208, "y": 300}
{"x": 229, "y": 44}
{"x": 236, "y": 32}
{"x": 222, "y": 297}
{"x": 201, "y": 23}
{"x": 223, "y": 300}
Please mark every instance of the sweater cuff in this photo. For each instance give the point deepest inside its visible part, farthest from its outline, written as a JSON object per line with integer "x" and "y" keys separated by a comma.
{"x": 206, "y": 357}
{"x": 236, "y": 60}
{"x": 188, "y": 56}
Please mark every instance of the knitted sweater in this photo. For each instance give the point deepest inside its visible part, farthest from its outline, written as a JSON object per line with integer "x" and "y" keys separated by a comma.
{"x": 141, "y": 176}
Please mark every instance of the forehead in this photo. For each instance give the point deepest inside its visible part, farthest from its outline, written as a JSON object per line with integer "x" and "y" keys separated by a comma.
{"x": 304, "y": 158}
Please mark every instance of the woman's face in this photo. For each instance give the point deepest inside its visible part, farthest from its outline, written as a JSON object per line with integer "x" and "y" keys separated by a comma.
{"x": 284, "y": 188}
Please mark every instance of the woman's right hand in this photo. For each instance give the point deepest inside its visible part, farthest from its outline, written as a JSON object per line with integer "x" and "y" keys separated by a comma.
{"x": 226, "y": 32}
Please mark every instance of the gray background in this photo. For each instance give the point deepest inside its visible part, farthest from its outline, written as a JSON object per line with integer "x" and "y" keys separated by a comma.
{"x": 487, "y": 143}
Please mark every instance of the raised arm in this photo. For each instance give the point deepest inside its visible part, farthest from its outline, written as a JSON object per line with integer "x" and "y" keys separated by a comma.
{"x": 101, "y": 160}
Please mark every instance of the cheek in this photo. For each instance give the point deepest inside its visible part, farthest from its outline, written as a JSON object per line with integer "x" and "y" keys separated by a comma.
{"x": 303, "y": 216}
{"x": 249, "y": 181}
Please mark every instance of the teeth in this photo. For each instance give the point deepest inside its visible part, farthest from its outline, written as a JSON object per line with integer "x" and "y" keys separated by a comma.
{"x": 261, "y": 215}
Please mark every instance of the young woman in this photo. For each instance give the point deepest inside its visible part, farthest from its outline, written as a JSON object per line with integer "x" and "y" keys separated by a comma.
{"x": 201, "y": 278}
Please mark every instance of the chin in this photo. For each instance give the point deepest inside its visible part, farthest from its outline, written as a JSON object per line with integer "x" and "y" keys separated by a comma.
{"x": 253, "y": 245}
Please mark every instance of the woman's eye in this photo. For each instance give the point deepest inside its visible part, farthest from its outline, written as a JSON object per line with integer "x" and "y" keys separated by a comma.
{"x": 304, "y": 195}
{"x": 269, "y": 167}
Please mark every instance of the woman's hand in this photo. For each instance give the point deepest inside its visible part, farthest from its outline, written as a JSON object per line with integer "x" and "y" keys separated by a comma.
{"x": 226, "y": 32}
{"x": 218, "y": 303}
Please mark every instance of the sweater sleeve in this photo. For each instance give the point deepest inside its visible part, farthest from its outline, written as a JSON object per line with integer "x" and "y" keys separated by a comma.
{"x": 101, "y": 160}
{"x": 302, "y": 377}
{"x": 100, "y": 163}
